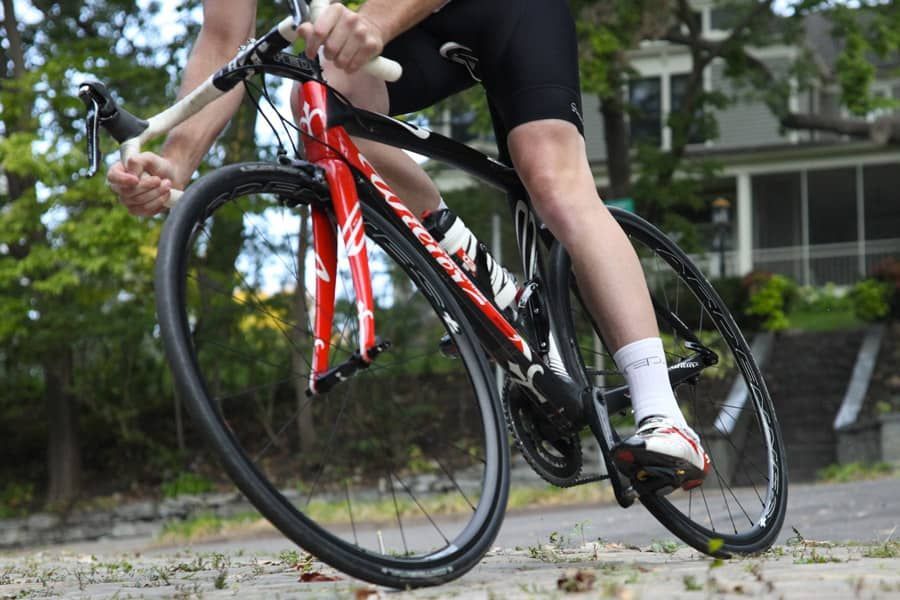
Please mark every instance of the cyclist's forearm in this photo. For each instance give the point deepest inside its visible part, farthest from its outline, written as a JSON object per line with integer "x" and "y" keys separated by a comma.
{"x": 393, "y": 17}
{"x": 188, "y": 143}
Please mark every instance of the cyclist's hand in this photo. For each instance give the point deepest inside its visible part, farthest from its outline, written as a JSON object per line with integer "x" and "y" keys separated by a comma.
{"x": 350, "y": 39}
{"x": 143, "y": 184}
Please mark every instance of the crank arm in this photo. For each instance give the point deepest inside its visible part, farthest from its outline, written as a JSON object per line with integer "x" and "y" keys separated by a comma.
{"x": 607, "y": 438}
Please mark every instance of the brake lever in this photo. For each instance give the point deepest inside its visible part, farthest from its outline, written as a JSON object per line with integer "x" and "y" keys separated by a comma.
{"x": 92, "y": 133}
{"x": 300, "y": 12}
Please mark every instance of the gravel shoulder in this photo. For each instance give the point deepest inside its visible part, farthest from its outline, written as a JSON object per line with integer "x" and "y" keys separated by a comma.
{"x": 634, "y": 558}
{"x": 800, "y": 570}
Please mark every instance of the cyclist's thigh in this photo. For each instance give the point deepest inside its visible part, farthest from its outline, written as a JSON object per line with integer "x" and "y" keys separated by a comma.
{"x": 527, "y": 59}
{"x": 427, "y": 77}
{"x": 532, "y": 72}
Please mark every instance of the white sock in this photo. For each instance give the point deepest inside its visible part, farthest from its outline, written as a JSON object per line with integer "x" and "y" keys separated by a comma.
{"x": 442, "y": 205}
{"x": 644, "y": 364}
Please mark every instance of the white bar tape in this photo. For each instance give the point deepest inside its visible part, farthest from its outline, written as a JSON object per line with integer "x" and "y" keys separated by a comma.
{"x": 380, "y": 67}
{"x": 174, "y": 197}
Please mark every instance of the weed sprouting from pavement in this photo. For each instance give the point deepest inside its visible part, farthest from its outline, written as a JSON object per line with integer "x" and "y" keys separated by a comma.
{"x": 889, "y": 549}
{"x": 664, "y": 546}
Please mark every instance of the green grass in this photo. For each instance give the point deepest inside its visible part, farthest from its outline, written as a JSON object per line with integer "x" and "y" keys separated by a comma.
{"x": 207, "y": 525}
{"x": 832, "y": 320}
{"x": 384, "y": 511}
{"x": 855, "y": 471}
{"x": 889, "y": 549}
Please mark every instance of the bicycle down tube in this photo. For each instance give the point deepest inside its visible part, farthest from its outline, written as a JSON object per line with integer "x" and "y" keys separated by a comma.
{"x": 331, "y": 148}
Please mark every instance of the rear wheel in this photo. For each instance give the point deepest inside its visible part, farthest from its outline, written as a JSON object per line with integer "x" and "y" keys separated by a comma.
{"x": 741, "y": 506}
{"x": 398, "y": 476}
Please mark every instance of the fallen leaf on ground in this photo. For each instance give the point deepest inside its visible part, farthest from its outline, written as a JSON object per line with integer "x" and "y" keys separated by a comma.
{"x": 576, "y": 580}
{"x": 317, "y": 576}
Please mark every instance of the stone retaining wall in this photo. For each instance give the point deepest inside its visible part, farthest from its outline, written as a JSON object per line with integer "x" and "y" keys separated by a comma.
{"x": 874, "y": 440}
{"x": 147, "y": 518}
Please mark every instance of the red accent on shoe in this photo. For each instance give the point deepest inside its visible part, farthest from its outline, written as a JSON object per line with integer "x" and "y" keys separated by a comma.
{"x": 691, "y": 484}
{"x": 682, "y": 434}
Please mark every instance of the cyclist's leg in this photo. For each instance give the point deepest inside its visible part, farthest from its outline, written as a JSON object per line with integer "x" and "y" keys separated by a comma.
{"x": 537, "y": 98}
{"x": 550, "y": 157}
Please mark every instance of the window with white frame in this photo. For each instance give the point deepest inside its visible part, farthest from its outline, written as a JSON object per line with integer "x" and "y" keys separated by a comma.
{"x": 651, "y": 98}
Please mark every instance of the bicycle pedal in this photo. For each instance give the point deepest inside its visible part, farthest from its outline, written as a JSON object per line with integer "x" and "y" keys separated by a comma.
{"x": 660, "y": 480}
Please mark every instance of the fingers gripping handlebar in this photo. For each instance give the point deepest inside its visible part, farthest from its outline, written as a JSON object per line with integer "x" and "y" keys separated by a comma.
{"x": 132, "y": 132}
{"x": 380, "y": 67}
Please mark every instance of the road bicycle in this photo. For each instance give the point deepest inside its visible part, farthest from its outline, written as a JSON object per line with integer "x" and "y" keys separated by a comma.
{"x": 339, "y": 417}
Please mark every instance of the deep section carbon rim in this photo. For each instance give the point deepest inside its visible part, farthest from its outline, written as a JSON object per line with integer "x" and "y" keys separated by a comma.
{"x": 740, "y": 507}
{"x": 397, "y": 476}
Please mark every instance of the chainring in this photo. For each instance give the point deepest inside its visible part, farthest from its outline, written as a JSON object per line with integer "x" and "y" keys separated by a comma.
{"x": 554, "y": 456}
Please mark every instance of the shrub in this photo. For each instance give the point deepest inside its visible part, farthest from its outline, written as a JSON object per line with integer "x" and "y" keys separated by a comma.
{"x": 823, "y": 299}
{"x": 871, "y": 299}
{"x": 186, "y": 483}
{"x": 771, "y": 297}
{"x": 732, "y": 292}
{"x": 888, "y": 271}
{"x": 15, "y": 500}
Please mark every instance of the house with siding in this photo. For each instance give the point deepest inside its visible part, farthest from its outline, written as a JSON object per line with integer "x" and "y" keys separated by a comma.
{"x": 815, "y": 206}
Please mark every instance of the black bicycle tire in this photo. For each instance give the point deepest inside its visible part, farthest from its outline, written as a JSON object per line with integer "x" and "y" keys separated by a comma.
{"x": 694, "y": 534}
{"x": 203, "y": 195}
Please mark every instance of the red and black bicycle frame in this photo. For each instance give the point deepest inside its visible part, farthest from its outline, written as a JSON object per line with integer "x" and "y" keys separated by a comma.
{"x": 324, "y": 120}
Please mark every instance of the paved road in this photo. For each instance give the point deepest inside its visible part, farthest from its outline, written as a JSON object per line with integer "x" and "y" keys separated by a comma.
{"x": 857, "y": 512}
{"x": 525, "y": 565}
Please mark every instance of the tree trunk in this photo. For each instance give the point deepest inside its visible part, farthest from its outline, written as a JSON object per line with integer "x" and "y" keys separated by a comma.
{"x": 300, "y": 364}
{"x": 63, "y": 452}
{"x": 15, "y": 40}
{"x": 618, "y": 159}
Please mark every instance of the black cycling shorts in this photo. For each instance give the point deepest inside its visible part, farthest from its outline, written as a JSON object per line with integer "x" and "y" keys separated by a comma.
{"x": 527, "y": 60}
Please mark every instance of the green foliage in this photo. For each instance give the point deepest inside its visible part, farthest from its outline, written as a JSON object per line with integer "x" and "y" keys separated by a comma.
{"x": 871, "y": 299}
{"x": 664, "y": 546}
{"x": 735, "y": 296}
{"x": 204, "y": 526}
{"x": 855, "y": 471}
{"x": 889, "y": 549}
{"x": 186, "y": 484}
{"x": 16, "y": 499}
{"x": 888, "y": 271}
{"x": 827, "y": 298}
{"x": 868, "y": 31}
{"x": 770, "y": 299}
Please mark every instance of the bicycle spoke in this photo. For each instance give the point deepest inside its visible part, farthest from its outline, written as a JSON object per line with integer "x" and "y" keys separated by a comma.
{"x": 397, "y": 512}
{"x": 350, "y": 512}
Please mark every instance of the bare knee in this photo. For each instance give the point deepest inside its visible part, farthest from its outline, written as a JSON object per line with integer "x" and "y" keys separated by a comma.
{"x": 551, "y": 161}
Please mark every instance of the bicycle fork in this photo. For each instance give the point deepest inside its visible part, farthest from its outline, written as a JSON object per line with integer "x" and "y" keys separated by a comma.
{"x": 323, "y": 148}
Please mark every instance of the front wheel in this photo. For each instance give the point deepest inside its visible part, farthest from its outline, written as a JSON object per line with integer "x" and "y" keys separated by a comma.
{"x": 741, "y": 506}
{"x": 398, "y": 476}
